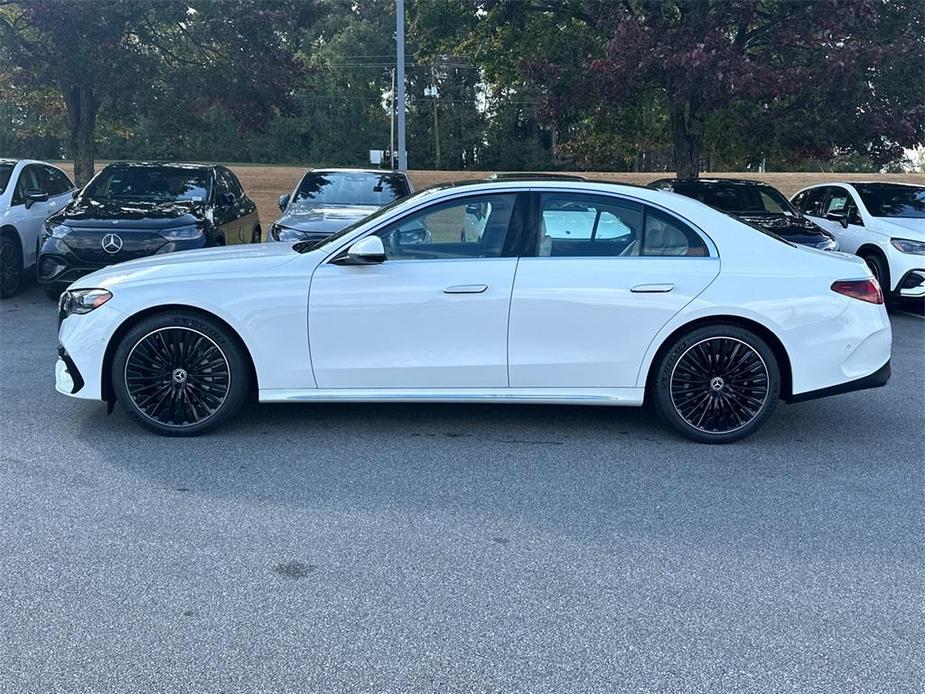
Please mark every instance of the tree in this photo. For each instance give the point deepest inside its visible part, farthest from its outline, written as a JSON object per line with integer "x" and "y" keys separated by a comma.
{"x": 130, "y": 55}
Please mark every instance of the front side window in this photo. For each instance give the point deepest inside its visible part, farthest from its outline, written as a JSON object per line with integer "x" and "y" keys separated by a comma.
{"x": 475, "y": 227}
{"x": 53, "y": 181}
{"x": 6, "y": 171}
{"x": 838, "y": 202}
{"x": 149, "y": 183}
{"x": 890, "y": 200}
{"x": 345, "y": 188}
{"x": 813, "y": 202}
{"x": 28, "y": 182}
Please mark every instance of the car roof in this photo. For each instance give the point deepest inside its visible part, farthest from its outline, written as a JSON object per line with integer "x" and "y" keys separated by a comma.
{"x": 193, "y": 166}
{"x": 377, "y": 172}
{"x": 711, "y": 181}
{"x": 535, "y": 176}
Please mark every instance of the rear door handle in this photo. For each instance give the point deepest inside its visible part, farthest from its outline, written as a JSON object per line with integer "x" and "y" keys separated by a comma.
{"x": 466, "y": 289}
{"x": 652, "y": 288}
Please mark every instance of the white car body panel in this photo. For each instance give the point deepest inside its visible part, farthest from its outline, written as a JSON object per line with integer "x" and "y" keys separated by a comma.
{"x": 28, "y": 221}
{"x": 877, "y": 231}
{"x": 317, "y": 331}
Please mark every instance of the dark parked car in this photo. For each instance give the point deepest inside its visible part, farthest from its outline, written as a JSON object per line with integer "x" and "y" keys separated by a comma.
{"x": 755, "y": 202}
{"x": 132, "y": 210}
{"x": 328, "y": 200}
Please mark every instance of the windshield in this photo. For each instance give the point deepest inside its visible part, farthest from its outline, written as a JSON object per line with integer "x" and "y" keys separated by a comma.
{"x": 891, "y": 200}
{"x": 349, "y": 188}
{"x": 156, "y": 183}
{"x": 6, "y": 170}
{"x": 738, "y": 198}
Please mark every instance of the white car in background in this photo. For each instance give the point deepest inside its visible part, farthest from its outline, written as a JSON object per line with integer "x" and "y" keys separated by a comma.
{"x": 884, "y": 223}
{"x": 30, "y": 192}
{"x": 661, "y": 299}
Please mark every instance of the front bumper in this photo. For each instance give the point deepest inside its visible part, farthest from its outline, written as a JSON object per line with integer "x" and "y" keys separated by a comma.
{"x": 83, "y": 340}
{"x": 68, "y": 379}
{"x": 912, "y": 284}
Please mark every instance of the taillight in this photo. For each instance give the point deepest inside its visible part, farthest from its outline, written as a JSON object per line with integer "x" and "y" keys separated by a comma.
{"x": 866, "y": 290}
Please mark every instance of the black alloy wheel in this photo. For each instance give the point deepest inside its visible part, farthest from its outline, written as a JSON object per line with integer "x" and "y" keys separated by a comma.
{"x": 180, "y": 374}
{"x": 718, "y": 384}
{"x": 10, "y": 267}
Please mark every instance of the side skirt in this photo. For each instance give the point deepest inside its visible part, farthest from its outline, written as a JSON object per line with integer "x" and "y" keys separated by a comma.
{"x": 631, "y": 397}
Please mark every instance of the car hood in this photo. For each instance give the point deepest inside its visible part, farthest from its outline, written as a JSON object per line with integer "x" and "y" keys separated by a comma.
{"x": 913, "y": 229}
{"x": 86, "y": 213}
{"x": 326, "y": 219}
{"x": 249, "y": 259}
{"x": 794, "y": 229}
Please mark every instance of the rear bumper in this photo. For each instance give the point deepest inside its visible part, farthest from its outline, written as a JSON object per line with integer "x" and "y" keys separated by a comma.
{"x": 878, "y": 379}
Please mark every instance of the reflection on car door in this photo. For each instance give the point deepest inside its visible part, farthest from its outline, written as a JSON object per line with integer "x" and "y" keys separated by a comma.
{"x": 433, "y": 315}
{"x": 597, "y": 289}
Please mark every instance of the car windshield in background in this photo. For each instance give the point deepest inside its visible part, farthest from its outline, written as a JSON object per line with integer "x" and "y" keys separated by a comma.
{"x": 736, "y": 198}
{"x": 6, "y": 170}
{"x": 157, "y": 183}
{"x": 343, "y": 188}
{"x": 890, "y": 200}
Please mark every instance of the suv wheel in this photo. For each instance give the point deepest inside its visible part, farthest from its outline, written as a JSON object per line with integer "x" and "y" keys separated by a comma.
{"x": 717, "y": 384}
{"x": 10, "y": 267}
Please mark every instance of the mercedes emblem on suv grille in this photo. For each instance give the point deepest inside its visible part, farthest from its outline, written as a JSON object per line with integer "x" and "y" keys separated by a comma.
{"x": 112, "y": 243}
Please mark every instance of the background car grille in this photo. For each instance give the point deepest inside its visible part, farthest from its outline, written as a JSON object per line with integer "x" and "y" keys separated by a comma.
{"x": 87, "y": 245}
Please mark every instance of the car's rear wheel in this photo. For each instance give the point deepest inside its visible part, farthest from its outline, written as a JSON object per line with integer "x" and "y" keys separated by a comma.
{"x": 10, "y": 267}
{"x": 180, "y": 373}
{"x": 255, "y": 235}
{"x": 717, "y": 384}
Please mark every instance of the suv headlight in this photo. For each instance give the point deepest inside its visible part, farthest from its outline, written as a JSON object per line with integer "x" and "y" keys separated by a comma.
{"x": 187, "y": 233}
{"x": 81, "y": 301}
{"x": 909, "y": 246}
{"x": 281, "y": 233}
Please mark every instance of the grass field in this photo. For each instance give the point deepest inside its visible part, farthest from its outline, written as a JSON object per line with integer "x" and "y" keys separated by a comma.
{"x": 264, "y": 184}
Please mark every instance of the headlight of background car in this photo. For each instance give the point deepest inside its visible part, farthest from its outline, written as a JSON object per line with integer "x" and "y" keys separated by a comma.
{"x": 58, "y": 231}
{"x": 830, "y": 244}
{"x": 186, "y": 233}
{"x": 281, "y": 233}
{"x": 909, "y": 246}
{"x": 80, "y": 301}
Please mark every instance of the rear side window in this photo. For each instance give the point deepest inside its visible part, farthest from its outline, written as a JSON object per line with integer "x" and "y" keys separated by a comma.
{"x": 668, "y": 236}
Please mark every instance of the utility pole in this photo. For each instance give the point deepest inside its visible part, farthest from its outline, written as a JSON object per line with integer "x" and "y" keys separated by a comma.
{"x": 433, "y": 81}
{"x": 400, "y": 40}
{"x": 392, "y": 123}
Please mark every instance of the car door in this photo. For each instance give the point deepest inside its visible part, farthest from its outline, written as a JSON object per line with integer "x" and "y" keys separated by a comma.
{"x": 28, "y": 216}
{"x": 605, "y": 275}
{"x": 432, "y": 315}
{"x": 245, "y": 208}
{"x": 837, "y": 213}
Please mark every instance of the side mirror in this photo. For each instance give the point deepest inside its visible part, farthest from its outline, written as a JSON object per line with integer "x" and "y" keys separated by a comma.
{"x": 839, "y": 217}
{"x": 33, "y": 196}
{"x": 366, "y": 251}
{"x": 283, "y": 201}
{"x": 228, "y": 199}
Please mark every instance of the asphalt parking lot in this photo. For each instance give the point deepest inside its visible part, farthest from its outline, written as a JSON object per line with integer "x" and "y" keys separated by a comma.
{"x": 443, "y": 548}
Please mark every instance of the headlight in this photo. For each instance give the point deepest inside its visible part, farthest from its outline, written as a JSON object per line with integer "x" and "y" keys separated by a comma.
{"x": 80, "y": 301}
{"x": 830, "y": 244}
{"x": 281, "y": 233}
{"x": 58, "y": 231}
{"x": 909, "y": 246}
{"x": 186, "y": 233}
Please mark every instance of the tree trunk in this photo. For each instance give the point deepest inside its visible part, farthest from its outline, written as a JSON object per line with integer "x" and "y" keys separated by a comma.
{"x": 82, "y": 106}
{"x": 687, "y": 134}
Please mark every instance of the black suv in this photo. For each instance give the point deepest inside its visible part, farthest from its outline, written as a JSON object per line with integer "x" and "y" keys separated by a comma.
{"x": 754, "y": 202}
{"x": 132, "y": 210}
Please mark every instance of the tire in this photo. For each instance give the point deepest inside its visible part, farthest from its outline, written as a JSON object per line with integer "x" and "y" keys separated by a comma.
{"x": 10, "y": 267}
{"x": 717, "y": 384}
{"x": 255, "y": 236}
{"x": 179, "y": 373}
{"x": 881, "y": 271}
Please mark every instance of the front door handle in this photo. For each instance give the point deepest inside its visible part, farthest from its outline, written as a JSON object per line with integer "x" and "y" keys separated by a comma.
{"x": 652, "y": 288}
{"x": 466, "y": 289}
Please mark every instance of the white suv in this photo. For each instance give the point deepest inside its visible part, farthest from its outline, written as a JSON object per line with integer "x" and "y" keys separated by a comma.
{"x": 884, "y": 223}
{"x": 30, "y": 192}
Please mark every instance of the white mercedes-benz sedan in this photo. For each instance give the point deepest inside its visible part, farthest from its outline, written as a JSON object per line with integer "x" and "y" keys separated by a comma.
{"x": 571, "y": 292}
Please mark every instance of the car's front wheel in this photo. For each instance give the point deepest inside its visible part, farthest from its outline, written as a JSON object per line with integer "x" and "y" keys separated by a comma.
{"x": 10, "y": 267}
{"x": 717, "y": 384}
{"x": 180, "y": 374}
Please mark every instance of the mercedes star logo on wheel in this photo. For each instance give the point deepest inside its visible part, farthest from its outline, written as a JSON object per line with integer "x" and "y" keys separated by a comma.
{"x": 112, "y": 243}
